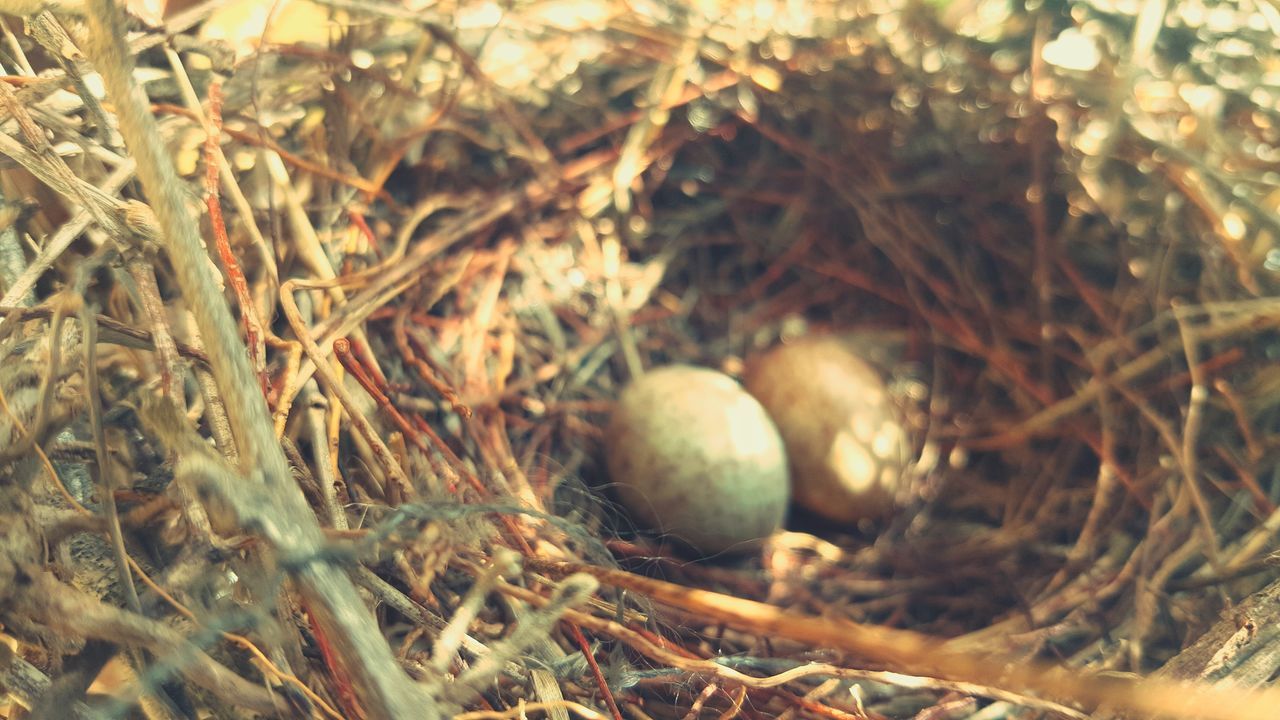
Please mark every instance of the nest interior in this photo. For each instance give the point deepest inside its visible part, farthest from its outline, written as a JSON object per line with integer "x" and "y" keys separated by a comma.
{"x": 345, "y": 460}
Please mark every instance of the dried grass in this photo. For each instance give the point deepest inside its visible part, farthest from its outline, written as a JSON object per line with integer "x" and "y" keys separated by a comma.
{"x": 449, "y": 233}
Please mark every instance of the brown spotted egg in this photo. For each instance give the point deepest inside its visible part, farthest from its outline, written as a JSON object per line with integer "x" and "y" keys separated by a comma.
{"x": 696, "y": 458}
{"x": 845, "y": 441}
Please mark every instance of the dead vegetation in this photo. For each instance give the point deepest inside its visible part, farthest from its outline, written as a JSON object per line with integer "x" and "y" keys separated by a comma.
{"x": 311, "y": 427}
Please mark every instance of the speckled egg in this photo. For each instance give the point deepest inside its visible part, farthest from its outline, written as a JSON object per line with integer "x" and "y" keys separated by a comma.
{"x": 845, "y": 441}
{"x": 693, "y": 456}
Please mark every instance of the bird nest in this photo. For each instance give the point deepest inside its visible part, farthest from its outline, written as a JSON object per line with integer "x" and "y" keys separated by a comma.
{"x": 312, "y": 314}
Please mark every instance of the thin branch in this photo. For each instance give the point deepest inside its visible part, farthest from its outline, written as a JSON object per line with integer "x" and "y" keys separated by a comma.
{"x": 385, "y": 690}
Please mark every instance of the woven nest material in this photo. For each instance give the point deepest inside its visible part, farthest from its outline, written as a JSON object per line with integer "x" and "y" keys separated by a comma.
{"x": 307, "y": 351}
